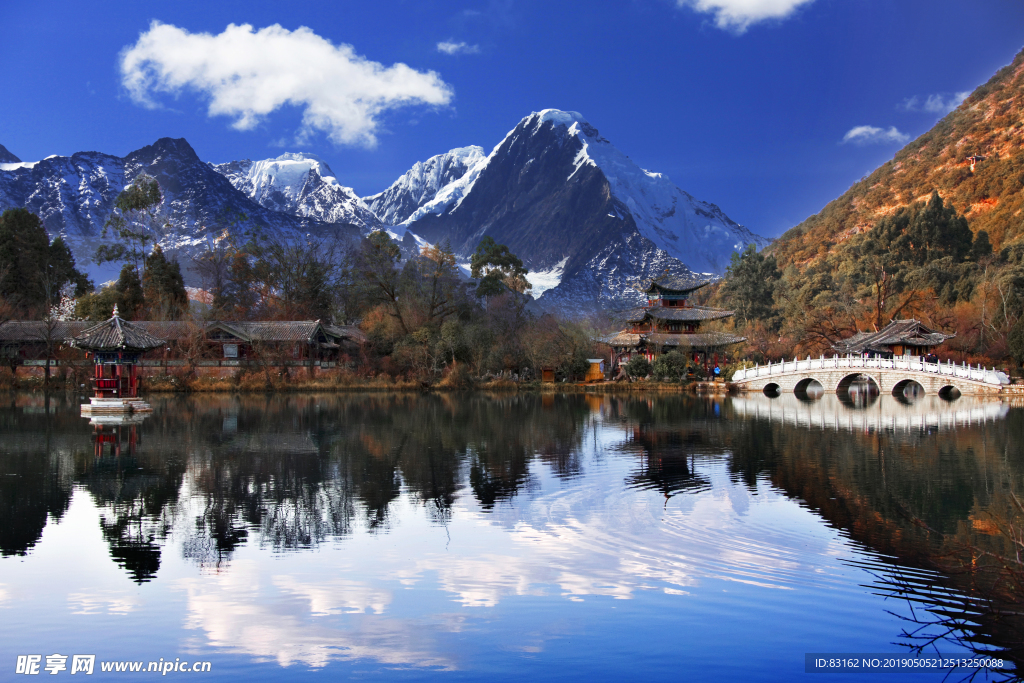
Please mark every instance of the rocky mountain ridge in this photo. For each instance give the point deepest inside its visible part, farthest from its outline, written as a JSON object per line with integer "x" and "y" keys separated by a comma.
{"x": 585, "y": 219}
{"x": 74, "y": 197}
{"x": 421, "y": 185}
{"x": 7, "y": 158}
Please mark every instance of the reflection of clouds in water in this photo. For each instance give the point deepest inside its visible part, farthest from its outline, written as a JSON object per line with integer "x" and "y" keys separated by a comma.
{"x": 97, "y": 602}
{"x": 572, "y": 543}
{"x": 237, "y": 615}
{"x": 336, "y": 597}
{"x": 4, "y": 595}
{"x": 739, "y": 496}
{"x": 629, "y": 543}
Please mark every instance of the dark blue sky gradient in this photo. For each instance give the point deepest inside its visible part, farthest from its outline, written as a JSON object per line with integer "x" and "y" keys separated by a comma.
{"x": 751, "y": 122}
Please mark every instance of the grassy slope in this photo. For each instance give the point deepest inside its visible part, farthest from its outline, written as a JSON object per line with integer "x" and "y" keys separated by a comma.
{"x": 990, "y": 122}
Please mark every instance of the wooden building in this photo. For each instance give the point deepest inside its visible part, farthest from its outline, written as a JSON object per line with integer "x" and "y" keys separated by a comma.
{"x": 670, "y": 322}
{"x": 294, "y": 340}
{"x": 898, "y": 338}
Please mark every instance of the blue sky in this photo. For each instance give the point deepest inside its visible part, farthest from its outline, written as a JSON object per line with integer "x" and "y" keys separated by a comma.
{"x": 744, "y": 103}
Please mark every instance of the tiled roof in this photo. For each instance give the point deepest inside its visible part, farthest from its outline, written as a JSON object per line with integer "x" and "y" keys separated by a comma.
{"x": 904, "y": 332}
{"x": 116, "y": 335}
{"x": 697, "y": 340}
{"x": 26, "y": 331}
{"x": 675, "y": 283}
{"x": 346, "y": 332}
{"x": 299, "y": 330}
{"x": 685, "y": 314}
{"x": 623, "y": 339}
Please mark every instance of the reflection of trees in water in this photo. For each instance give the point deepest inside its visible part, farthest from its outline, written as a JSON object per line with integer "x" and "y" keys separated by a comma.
{"x": 939, "y": 616}
{"x": 35, "y": 483}
{"x": 931, "y": 499}
{"x": 292, "y": 471}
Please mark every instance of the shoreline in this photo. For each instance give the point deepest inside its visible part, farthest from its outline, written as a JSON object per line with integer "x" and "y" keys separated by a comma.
{"x": 252, "y": 384}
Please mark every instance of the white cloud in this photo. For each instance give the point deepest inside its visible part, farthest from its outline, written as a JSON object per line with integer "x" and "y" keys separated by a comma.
{"x": 452, "y": 48}
{"x": 248, "y": 74}
{"x": 738, "y": 15}
{"x": 869, "y": 135}
{"x": 941, "y": 103}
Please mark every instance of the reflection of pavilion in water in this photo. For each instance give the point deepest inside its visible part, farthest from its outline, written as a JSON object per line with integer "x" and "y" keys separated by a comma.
{"x": 114, "y": 436}
{"x": 667, "y": 459}
{"x": 129, "y": 525}
{"x": 889, "y": 414}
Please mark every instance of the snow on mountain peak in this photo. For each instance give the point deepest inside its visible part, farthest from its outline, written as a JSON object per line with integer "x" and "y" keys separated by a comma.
{"x": 697, "y": 233}
{"x": 557, "y": 117}
{"x": 429, "y": 186}
{"x": 300, "y": 184}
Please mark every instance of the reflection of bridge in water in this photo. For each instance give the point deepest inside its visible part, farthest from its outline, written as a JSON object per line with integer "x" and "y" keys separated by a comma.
{"x": 891, "y": 375}
{"x": 883, "y": 414}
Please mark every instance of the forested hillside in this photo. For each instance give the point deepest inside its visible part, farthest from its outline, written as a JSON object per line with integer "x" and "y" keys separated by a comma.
{"x": 989, "y": 123}
{"x": 935, "y": 234}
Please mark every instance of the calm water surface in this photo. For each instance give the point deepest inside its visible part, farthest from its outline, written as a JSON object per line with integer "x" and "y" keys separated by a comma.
{"x": 501, "y": 537}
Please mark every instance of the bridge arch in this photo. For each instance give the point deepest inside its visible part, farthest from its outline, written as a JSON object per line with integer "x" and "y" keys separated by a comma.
{"x": 809, "y": 387}
{"x": 950, "y": 392}
{"x": 772, "y": 390}
{"x": 848, "y": 381}
{"x": 909, "y": 384}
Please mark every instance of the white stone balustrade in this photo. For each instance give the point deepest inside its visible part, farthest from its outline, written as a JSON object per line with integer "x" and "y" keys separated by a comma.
{"x": 886, "y": 372}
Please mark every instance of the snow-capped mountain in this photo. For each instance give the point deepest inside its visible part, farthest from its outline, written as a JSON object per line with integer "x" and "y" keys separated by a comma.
{"x": 301, "y": 185}
{"x": 583, "y": 217}
{"x": 586, "y": 220}
{"x": 8, "y": 158}
{"x": 74, "y": 197}
{"x": 421, "y": 184}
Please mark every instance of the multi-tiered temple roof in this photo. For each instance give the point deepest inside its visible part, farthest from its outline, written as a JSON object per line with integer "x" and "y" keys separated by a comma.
{"x": 669, "y": 320}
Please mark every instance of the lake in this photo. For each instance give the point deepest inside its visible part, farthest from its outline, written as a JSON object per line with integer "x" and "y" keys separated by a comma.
{"x": 509, "y": 536}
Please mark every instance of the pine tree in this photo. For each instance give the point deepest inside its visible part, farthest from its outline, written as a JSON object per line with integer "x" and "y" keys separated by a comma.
{"x": 34, "y": 270}
{"x": 163, "y": 287}
{"x": 750, "y": 285}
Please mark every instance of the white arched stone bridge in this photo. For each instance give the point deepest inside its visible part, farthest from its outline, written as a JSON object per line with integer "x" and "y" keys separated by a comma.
{"x": 892, "y": 375}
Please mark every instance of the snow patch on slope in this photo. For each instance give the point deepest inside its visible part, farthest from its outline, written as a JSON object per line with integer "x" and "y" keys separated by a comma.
{"x": 543, "y": 280}
{"x": 20, "y": 164}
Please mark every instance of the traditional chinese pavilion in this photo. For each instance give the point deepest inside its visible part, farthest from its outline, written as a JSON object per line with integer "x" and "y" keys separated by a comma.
{"x": 898, "y": 338}
{"x": 669, "y": 322}
{"x": 116, "y": 347}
